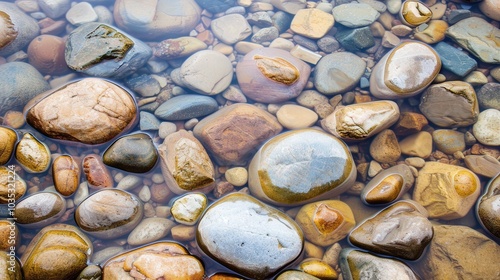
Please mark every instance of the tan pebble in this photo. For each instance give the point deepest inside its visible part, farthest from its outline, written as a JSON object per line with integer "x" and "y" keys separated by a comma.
{"x": 377, "y": 29}
{"x": 418, "y": 144}
{"x": 145, "y": 194}
{"x": 438, "y": 10}
{"x": 476, "y": 78}
{"x": 318, "y": 268}
{"x": 356, "y": 188}
{"x": 149, "y": 210}
{"x": 439, "y": 79}
{"x": 96, "y": 173}
{"x": 374, "y": 168}
{"x": 8, "y": 139}
{"x": 305, "y": 55}
{"x": 331, "y": 255}
{"x": 33, "y": 155}
{"x": 162, "y": 211}
{"x": 401, "y": 30}
{"x": 495, "y": 73}
{"x": 296, "y": 117}
{"x": 312, "y": 251}
{"x": 14, "y": 119}
{"x": 415, "y": 162}
{"x": 237, "y": 176}
{"x": 434, "y": 33}
{"x": 223, "y": 48}
{"x": 9, "y": 235}
{"x": 323, "y": 109}
{"x": 66, "y": 175}
{"x": 386, "y": 19}
{"x": 389, "y": 40}
{"x": 409, "y": 123}
{"x": 385, "y": 147}
{"x": 386, "y": 191}
{"x": 246, "y": 47}
{"x": 310, "y": 98}
{"x": 312, "y": 23}
{"x": 183, "y": 232}
{"x": 281, "y": 43}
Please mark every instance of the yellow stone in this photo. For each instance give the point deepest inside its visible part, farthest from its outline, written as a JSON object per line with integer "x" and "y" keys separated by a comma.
{"x": 9, "y": 178}
{"x": 277, "y": 69}
{"x": 312, "y": 23}
{"x": 386, "y": 191}
{"x": 318, "y": 268}
{"x": 327, "y": 219}
{"x": 33, "y": 155}
{"x": 8, "y": 138}
{"x": 434, "y": 33}
{"x": 465, "y": 183}
{"x": 414, "y": 13}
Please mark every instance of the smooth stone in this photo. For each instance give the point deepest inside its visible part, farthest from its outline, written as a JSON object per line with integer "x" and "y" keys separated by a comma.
{"x": 354, "y": 14}
{"x": 299, "y": 167}
{"x": 484, "y": 165}
{"x": 306, "y": 55}
{"x": 207, "y": 72}
{"x": 58, "y": 251}
{"x": 435, "y": 32}
{"x": 178, "y": 47}
{"x": 216, "y": 6}
{"x": 185, "y": 164}
{"x": 293, "y": 116}
{"x": 487, "y": 96}
{"x": 414, "y": 13}
{"x": 32, "y": 154}
{"x": 295, "y": 275}
{"x": 168, "y": 260}
{"x": 39, "y": 209}
{"x": 185, "y": 107}
{"x": 384, "y": 147}
{"x": 46, "y": 54}
{"x": 460, "y": 243}
{"x": 356, "y": 39}
{"x": 393, "y": 6}
{"x": 81, "y": 13}
{"x": 483, "y": 44}
{"x": 361, "y": 121}
{"x": 10, "y": 182}
{"x": 129, "y": 182}
{"x": 89, "y": 111}
{"x": 233, "y": 93}
{"x": 8, "y": 140}
{"x": 54, "y": 8}
{"x": 338, "y": 72}
{"x": 289, "y": 6}
{"x": 10, "y": 236}
{"x": 318, "y": 268}
{"x": 461, "y": 95}
{"x": 417, "y": 145}
{"x": 187, "y": 209}
{"x": 150, "y": 230}
{"x": 388, "y": 186}
{"x": 144, "y": 85}
{"x": 149, "y": 19}
{"x": 91, "y": 272}
{"x": 405, "y": 71}
{"x": 325, "y": 222}
{"x": 221, "y": 134}
{"x": 490, "y": 8}
{"x": 236, "y": 176}
{"x": 17, "y": 29}
{"x": 227, "y": 233}
{"x": 448, "y": 141}
{"x": 109, "y": 213}
{"x": 97, "y": 174}
{"x": 377, "y": 5}
{"x": 133, "y": 153}
{"x": 19, "y": 82}
{"x": 271, "y": 75}
{"x": 15, "y": 271}
{"x": 311, "y": 98}
{"x": 354, "y": 264}
{"x": 66, "y": 175}
{"x": 409, "y": 123}
{"x": 476, "y": 78}
{"x": 455, "y": 60}
{"x": 401, "y": 230}
{"x": 328, "y": 44}
{"x": 447, "y": 191}
{"x": 486, "y": 129}
{"x": 312, "y": 23}
{"x": 148, "y": 121}
{"x": 265, "y": 35}
{"x": 231, "y": 28}
{"x": 487, "y": 210}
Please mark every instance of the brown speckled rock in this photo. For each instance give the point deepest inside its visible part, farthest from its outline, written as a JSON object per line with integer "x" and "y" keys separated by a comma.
{"x": 96, "y": 173}
{"x": 388, "y": 186}
{"x": 66, "y": 175}
{"x": 46, "y": 54}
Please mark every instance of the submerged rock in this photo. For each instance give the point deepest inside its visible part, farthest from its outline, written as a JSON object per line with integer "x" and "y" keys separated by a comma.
{"x": 488, "y": 212}
{"x": 133, "y": 153}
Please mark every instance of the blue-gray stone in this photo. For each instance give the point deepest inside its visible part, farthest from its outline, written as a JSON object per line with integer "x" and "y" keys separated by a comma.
{"x": 101, "y": 50}
{"x": 457, "y": 15}
{"x": 216, "y": 6}
{"x": 148, "y": 121}
{"x": 338, "y": 72}
{"x": 185, "y": 107}
{"x": 260, "y": 19}
{"x": 305, "y": 42}
{"x": 265, "y": 35}
{"x": 488, "y": 96}
{"x": 19, "y": 83}
{"x": 357, "y": 39}
{"x": 145, "y": 85}
{"x": 328, "y": 44}
{"x": 25, "y": 26}
{"x": 454, "y": 60}
{"x": 282, "y": 21}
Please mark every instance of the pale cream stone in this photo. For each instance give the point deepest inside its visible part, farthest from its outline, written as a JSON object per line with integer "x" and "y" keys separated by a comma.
{"x": 295, "y": 117}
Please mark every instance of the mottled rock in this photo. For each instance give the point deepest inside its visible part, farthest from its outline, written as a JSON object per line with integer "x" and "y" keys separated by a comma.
{"x": 10, "y": 236}
{"x": 384, "y": 147}
{"x": 271, "y": 75}
{"x": 188, "y": 208}
{"x": 216, "y": 6}
{"x": 226, "y": 232}
{"x": 355, "y": 264}
{"x": 185, "y": 107}
{"x": 486, "y": 129}
{"x": 66, "y": 175}
{"x": 150, "y": 19}
{"x": 133, "y": 153}
{"x": 9, "y": 181}
{"x": 361, "y": 121}
{"x": 8, "y": 139}
{"x": 312, "y": 23}
{"x": 409, "y": 123}
{"x": 405, "y": 71}
{"x": 150, "y": 230}
{"x": 231, "y": 28}
{"x": 108, "y": 214}
{"x": 435, "y": 32}
{"x": 388, "y": 186}
{"x": 418, "y": 144}
{"x": 97, "y": 174}
{"x": 483, "y": 43}
{"x": 233, "y": 133}
{"x": 461, "y": 95}
{"x": 414, "y": 13}
{"x": 89, "y": 111}
{"x": 301, "y": 166}
{"x": 447, "y": 191}
{"x": 356, "y": 39}
{"x": 355, "y": 14}
{"x": 325, "y": 222}
{"x": 6, "y": 262}
{"x": 488, "y": 97}
{"x": 58, "y": 251}
{"x": 185, "y": 164}
{"x": 454, "y": 60}
{"x": 454, "y": 253}
{"x": 488, "y": 213}
{"x": 32, "y": 154}
{"x": 46, "y": 54}
{"x": 293, "y": 116}
{"x": 289, "y": 6}
{"x": 17, "y": 29}
{"x": 338, "y": 72}
{"x": 448, "y": 141}
{"x": 167, "y": 260}
{"x": 484, "y": 165}
{"x": 178, "y": 47}
{"x": 400, "y": 230}
{"x": 91, "y": 272}
{"x": 39, "y": 209}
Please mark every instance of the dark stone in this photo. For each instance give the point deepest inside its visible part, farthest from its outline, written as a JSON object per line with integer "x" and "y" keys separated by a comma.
{"x": 305, "y": 42}
{"x": 260, "y": 19}
{"x": 185, "y": 107}
{"x": 457, "y": 15}
{"x": 132, "y": 153}
{"x": 145, "y": 85}
{"x": 455, "y": 60}
{"x": 282, "y": 21}
{"x": 216, "y": 6}
{"x": 357, "y": 39}
{"x": 488, "y": 96}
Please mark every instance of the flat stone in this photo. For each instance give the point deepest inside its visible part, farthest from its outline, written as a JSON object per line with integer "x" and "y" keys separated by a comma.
{"x": 89, "y": 111}
{"x": 306, "y": 55}
{"x": 293, "y": 116}
{"x": 325, "y": 222}
{"x": 66, "y": 175}
{"x": 409, "y": 123}
{"x": 221, "y": 132}
{"x": 39, "y": 209}
{"x": 338, "y": 72}
{"x": 395, "y": 75}
{"x": 294, "y": 274}
{"x": 227, "y": 233}
{"x": 478, "y": 37}
{"x": 185, "y": 164}
{"x": 17, "y": 29}
{"x": 185, "y": 107}
{"x": 458, "y": 15}
{"x": 484, "y": 165}
{"x": 448, "y": 141}
{"x": 401, "y": 230}
{"x": 487, "y": 96}
{"x": 460, "y": 243}
{"x": 97, "y": 174}
{"x": 148, "y": 121}
{"x": 455, "y": 60}
{"x": 207, "y": 72}
{"x": 178, "y": 47}
{"x": 187, "y": 209}
{"x": 384, "y": 147}
{"x": 356, "y": 39}
{"x": 150, "y": 230}
{"x": 461, "y": 95}
{"x": 8, "y": 140}
{"x": 487, "y": 210}
{"x": 271, "y": 75}
{"x": 133, "y": 153}
{"x": 301, "y": 166}
{"x": 81, "y": 13}
{"x": 388, "y": 185}
{"x": 354, "y": 14}
{"x": 32, "y": 154}
{"x": 144, "y": 85}
{"x": 328, "y": 44}
{"x": 447, "y": 191}
{"x": 486, "y": 129}
{"x": 231, "y": 28}
{"x": 361, "y": 121}
{"x": 101, "y": 50}
{"x": 418, "y": 145}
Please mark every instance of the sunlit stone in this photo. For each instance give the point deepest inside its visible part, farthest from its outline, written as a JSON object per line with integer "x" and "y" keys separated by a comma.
{"x": 414, "y": 13}
{"x": 33, "y": 155}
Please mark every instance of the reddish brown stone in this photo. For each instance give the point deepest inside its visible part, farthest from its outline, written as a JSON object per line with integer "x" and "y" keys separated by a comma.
{"x": 97, "y": 174}
{"x": 66, "y": 174}
{"x": 409, "y": 123}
